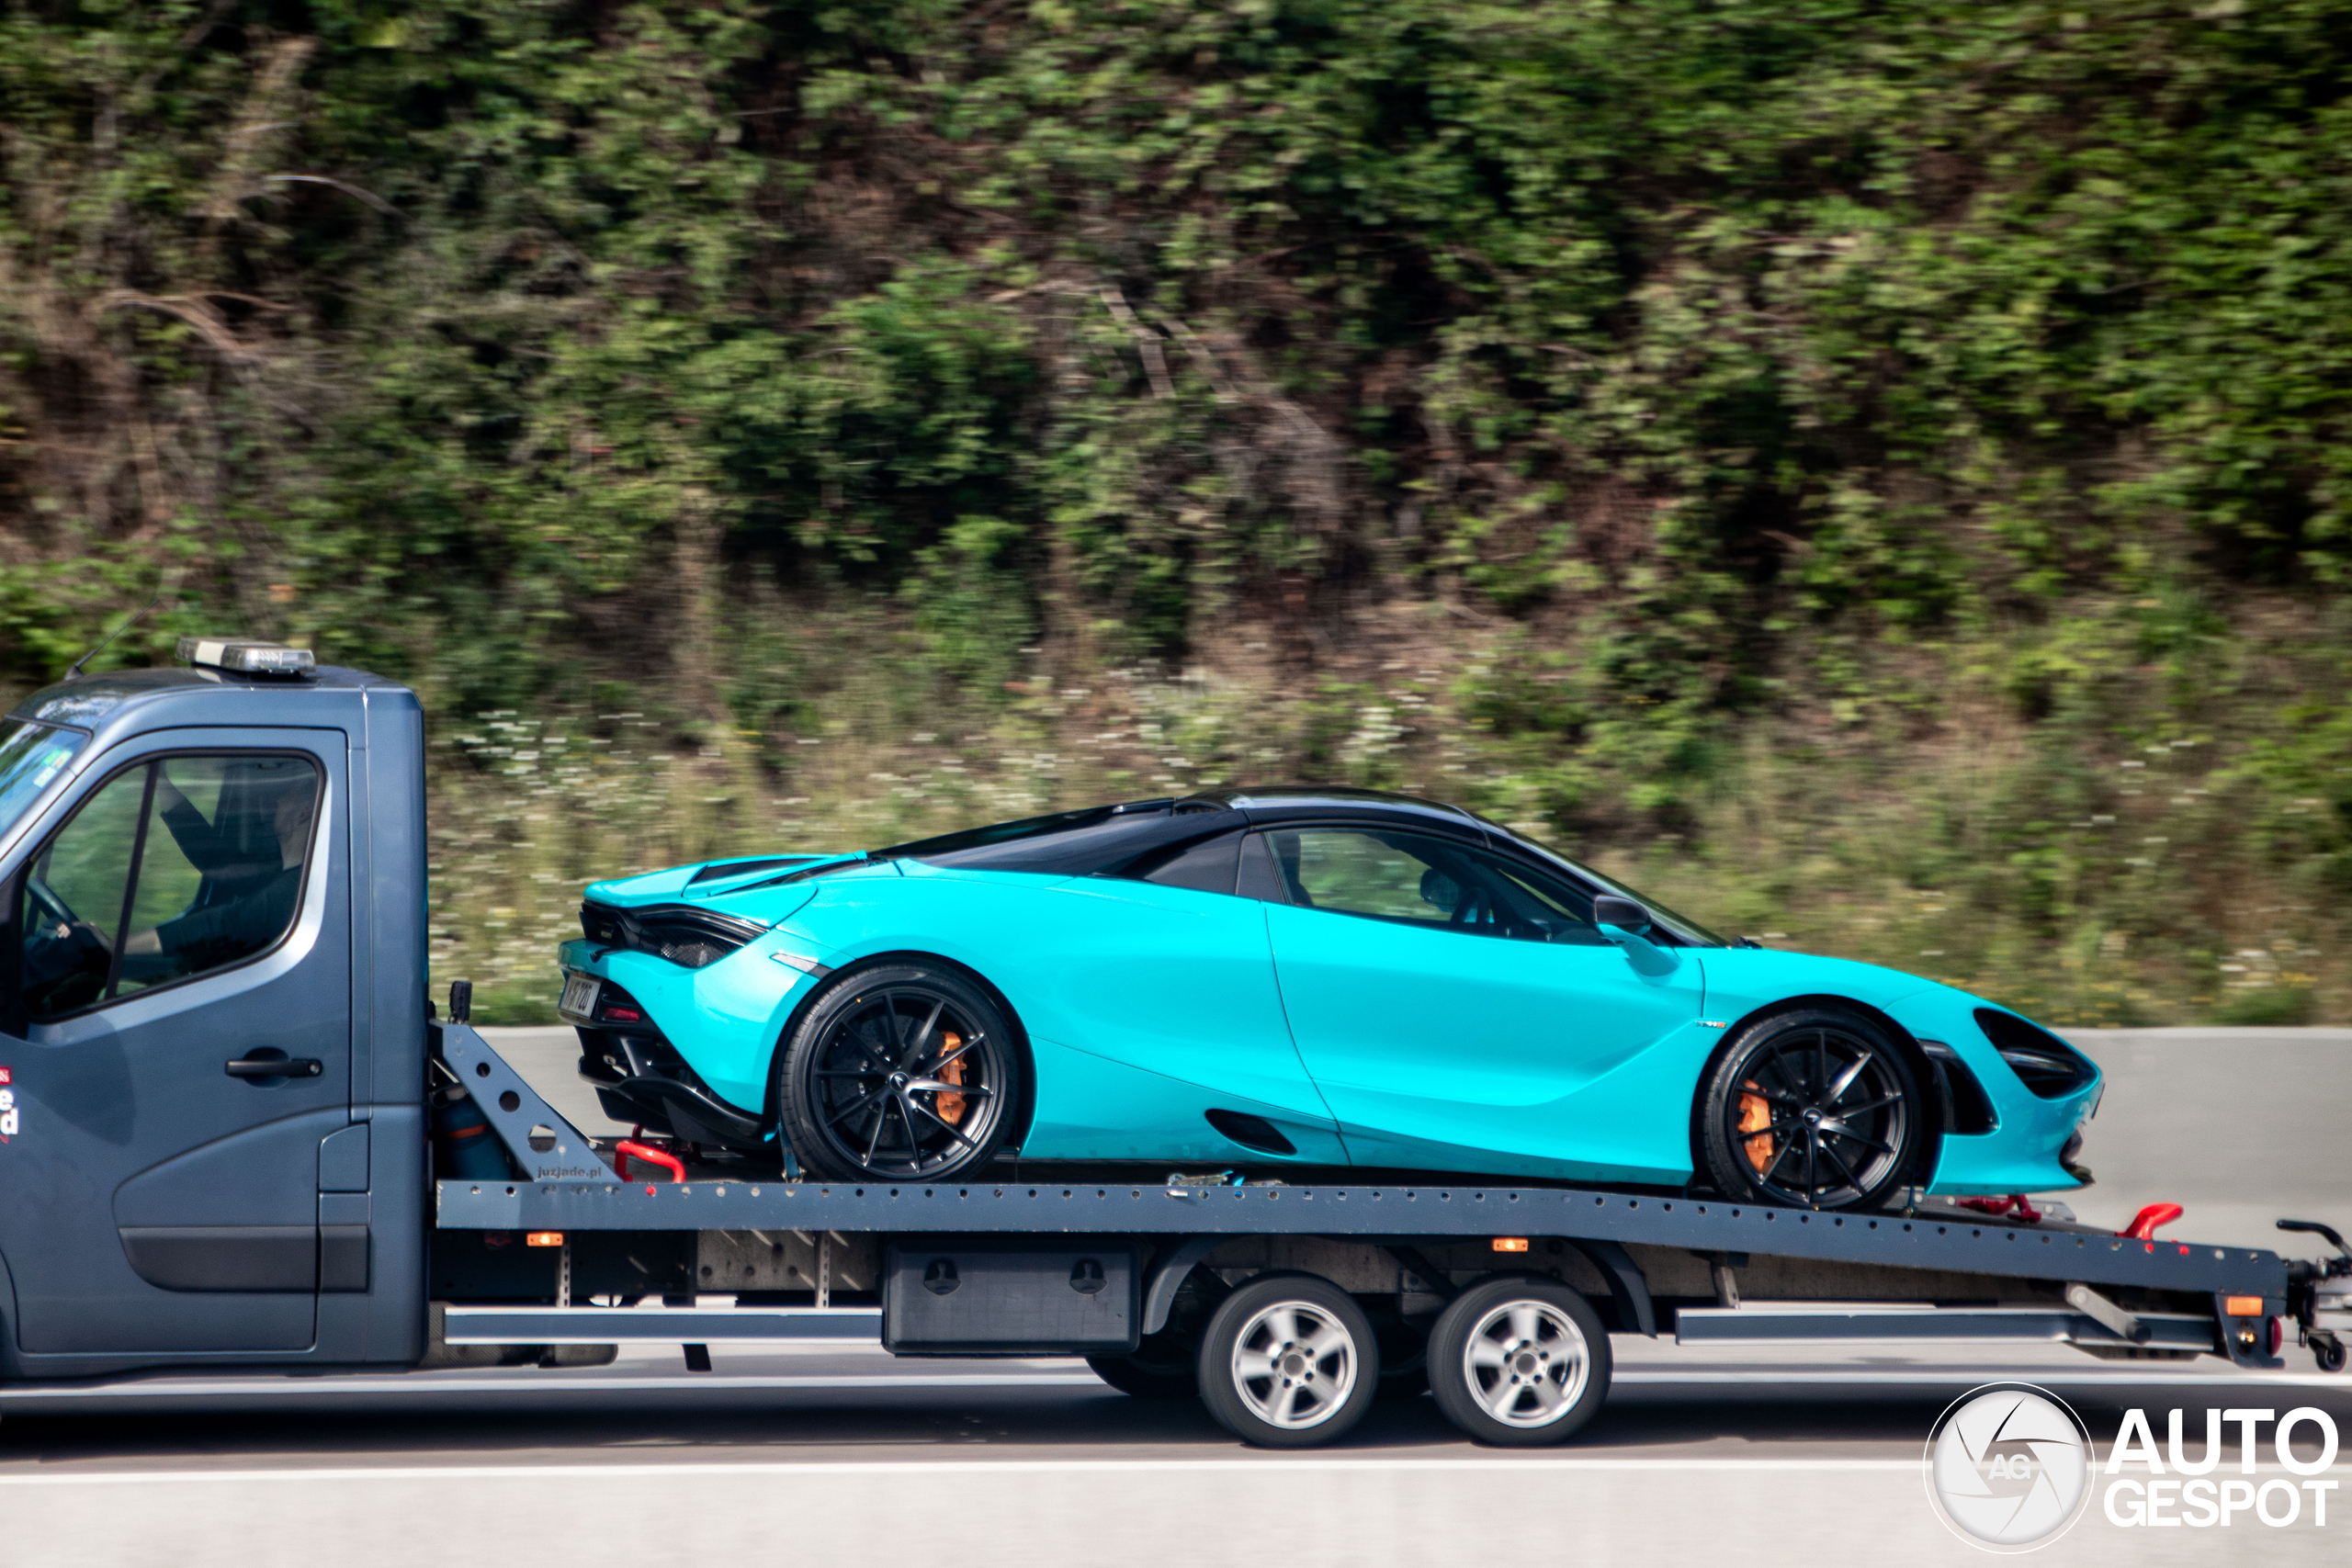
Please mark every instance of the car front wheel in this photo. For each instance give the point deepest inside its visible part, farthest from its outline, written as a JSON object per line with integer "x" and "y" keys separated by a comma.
{"x": 1815, "y": 1109}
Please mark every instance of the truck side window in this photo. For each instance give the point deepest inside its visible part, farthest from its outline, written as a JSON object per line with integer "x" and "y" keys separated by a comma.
{"x": 176, "y": 868}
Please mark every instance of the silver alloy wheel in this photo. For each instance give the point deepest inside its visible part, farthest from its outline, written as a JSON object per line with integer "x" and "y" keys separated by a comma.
{"x": 1526, "y": 1363}
{"x": 1294, "y": 1365}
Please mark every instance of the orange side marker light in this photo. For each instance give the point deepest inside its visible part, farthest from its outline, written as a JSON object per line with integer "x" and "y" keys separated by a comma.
{"x": 1510, "y": 1244}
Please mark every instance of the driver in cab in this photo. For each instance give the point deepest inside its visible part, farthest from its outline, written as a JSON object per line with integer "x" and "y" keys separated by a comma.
{"x": 225, "y": 888}
{"x": 250, "y": 897}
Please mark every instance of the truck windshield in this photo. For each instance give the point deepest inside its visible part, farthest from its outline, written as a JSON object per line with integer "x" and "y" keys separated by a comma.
{"x": 30, "y": 755}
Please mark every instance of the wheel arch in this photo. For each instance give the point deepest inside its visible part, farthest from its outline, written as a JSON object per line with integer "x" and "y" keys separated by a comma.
{"x": 1923, "y": 1071}
{"x": 1023, "y": 1111}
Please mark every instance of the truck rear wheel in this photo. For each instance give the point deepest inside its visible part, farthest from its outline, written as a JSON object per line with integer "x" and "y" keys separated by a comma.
{"x": 1519, "y": 1362}
{"x": 1289, "y": 1361}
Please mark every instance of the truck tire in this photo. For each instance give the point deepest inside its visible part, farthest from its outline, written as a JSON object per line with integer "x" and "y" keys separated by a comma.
{"x": 1519, "y": 1362}
{"x": 900, "y": 1072}
{"x": 1142, "y": 1379}
{"x": 1289, "y": 1361}
{"x": 1814, "y": 1108}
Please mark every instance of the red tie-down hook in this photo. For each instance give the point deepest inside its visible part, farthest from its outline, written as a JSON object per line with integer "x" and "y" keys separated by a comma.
{"x": 2143, "y": 1224}
{"x": 627, "y": 1150}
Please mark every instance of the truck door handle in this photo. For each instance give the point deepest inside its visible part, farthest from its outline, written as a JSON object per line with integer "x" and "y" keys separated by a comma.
{"x": 275, "y": 1066}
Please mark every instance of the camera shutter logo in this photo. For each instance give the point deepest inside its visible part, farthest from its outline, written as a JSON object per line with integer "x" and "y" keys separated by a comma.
{"x": 2009, "y": 1467}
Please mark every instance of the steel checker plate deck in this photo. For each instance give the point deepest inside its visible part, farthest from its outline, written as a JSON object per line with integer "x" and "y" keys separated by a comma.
{"x": 1047, "y": 1208}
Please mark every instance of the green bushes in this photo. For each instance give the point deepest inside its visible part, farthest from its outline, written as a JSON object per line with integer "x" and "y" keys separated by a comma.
{"x": 1654, "y": 392}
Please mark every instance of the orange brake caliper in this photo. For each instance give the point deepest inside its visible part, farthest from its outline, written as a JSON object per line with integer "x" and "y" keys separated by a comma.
{"x": 1755, "y": 1115}
{"x": 951, "y": 1106}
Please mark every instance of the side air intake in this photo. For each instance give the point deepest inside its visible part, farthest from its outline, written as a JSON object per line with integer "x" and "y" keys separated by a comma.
{"x": 1251, "y": 1132}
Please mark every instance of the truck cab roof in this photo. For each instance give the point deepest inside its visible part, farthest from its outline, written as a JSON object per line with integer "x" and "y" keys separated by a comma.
{"x": 87, "y": 701}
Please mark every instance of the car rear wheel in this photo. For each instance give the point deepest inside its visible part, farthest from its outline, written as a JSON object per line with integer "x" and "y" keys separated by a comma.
{"x": 1815, "y": 1109}
{"x": 900, "y": 1072}
{"x": 1289, "y": 1361}
{"x": 1519, "y": 1362}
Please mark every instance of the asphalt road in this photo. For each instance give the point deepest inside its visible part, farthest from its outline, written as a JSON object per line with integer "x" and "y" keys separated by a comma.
{"x": 828, "y": 1455}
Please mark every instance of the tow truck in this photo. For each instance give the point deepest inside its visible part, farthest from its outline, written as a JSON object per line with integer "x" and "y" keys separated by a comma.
{"x": 226, "y": 1145}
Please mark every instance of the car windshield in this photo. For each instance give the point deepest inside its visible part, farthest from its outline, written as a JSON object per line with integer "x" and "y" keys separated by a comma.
{"x": 30, "y": 756}
{"x": 1689, "y": 930}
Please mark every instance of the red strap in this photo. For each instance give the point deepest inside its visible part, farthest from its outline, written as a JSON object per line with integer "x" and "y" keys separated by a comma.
{"x": 626, "y": 1150}
{"x": 2143, "y": 1224}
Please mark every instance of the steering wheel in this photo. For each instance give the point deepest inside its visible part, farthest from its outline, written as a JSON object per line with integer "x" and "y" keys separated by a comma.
{"x": 51, "y": 904}
{"x": 60, "y": 950}
{"x": 1476, "y": 906}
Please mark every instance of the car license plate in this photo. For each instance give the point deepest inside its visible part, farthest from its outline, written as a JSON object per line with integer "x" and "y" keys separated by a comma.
{"x": 580, "y": 995}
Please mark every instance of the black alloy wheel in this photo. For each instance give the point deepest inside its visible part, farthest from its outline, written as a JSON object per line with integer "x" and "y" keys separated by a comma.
{"x": 899, "y": 1073}
{"x": 1812, "y": 1110}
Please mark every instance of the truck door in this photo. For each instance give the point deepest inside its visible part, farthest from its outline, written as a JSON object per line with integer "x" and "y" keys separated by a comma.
{"x": 176, "y": 1046}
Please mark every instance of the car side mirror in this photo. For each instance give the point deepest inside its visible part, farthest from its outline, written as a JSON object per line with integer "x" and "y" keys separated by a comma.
{"x": 1626, "y": 923}
{"x": 1623, "y": 913}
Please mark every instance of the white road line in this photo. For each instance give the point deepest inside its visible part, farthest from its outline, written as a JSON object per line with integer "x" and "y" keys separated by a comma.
{"x": 1486, "y": 1464}
{"x": 939, "y": 1467}
{"x": 314, "y": 1388}
{"x": 1974, "y": 1375}
{"x": 424, "y": 1385}
{"x": 419, "y": 1385}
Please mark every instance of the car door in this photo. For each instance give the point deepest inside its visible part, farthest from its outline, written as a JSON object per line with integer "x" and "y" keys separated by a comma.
{"x": 1454, "y": 1004}
{"x": 1157, "y": 1025}
{"x": 178, "y": 1046}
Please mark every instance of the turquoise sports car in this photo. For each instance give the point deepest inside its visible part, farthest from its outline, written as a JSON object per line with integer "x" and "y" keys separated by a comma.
{"x": 1302, "y": 977}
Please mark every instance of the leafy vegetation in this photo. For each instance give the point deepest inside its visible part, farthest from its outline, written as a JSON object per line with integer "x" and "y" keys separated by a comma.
{"x": 1877, "y": 471}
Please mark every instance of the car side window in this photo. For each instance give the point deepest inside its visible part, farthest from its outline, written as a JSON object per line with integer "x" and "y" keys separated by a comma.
{"x": 1418, "y": 879}
{"x": 1207, "y": 867}
{"x": 173, "y": 868}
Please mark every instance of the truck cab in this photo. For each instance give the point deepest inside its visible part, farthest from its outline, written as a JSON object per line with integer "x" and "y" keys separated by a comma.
{"x": 212, "y": 1017}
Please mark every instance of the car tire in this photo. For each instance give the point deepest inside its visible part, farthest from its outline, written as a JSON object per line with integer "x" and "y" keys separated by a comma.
{"x": 1289, "y": 1361}
{"x": 1811, "y": 1108}
{"x": 1519, "y": 1362}
{"x": 861, "y": 1096}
